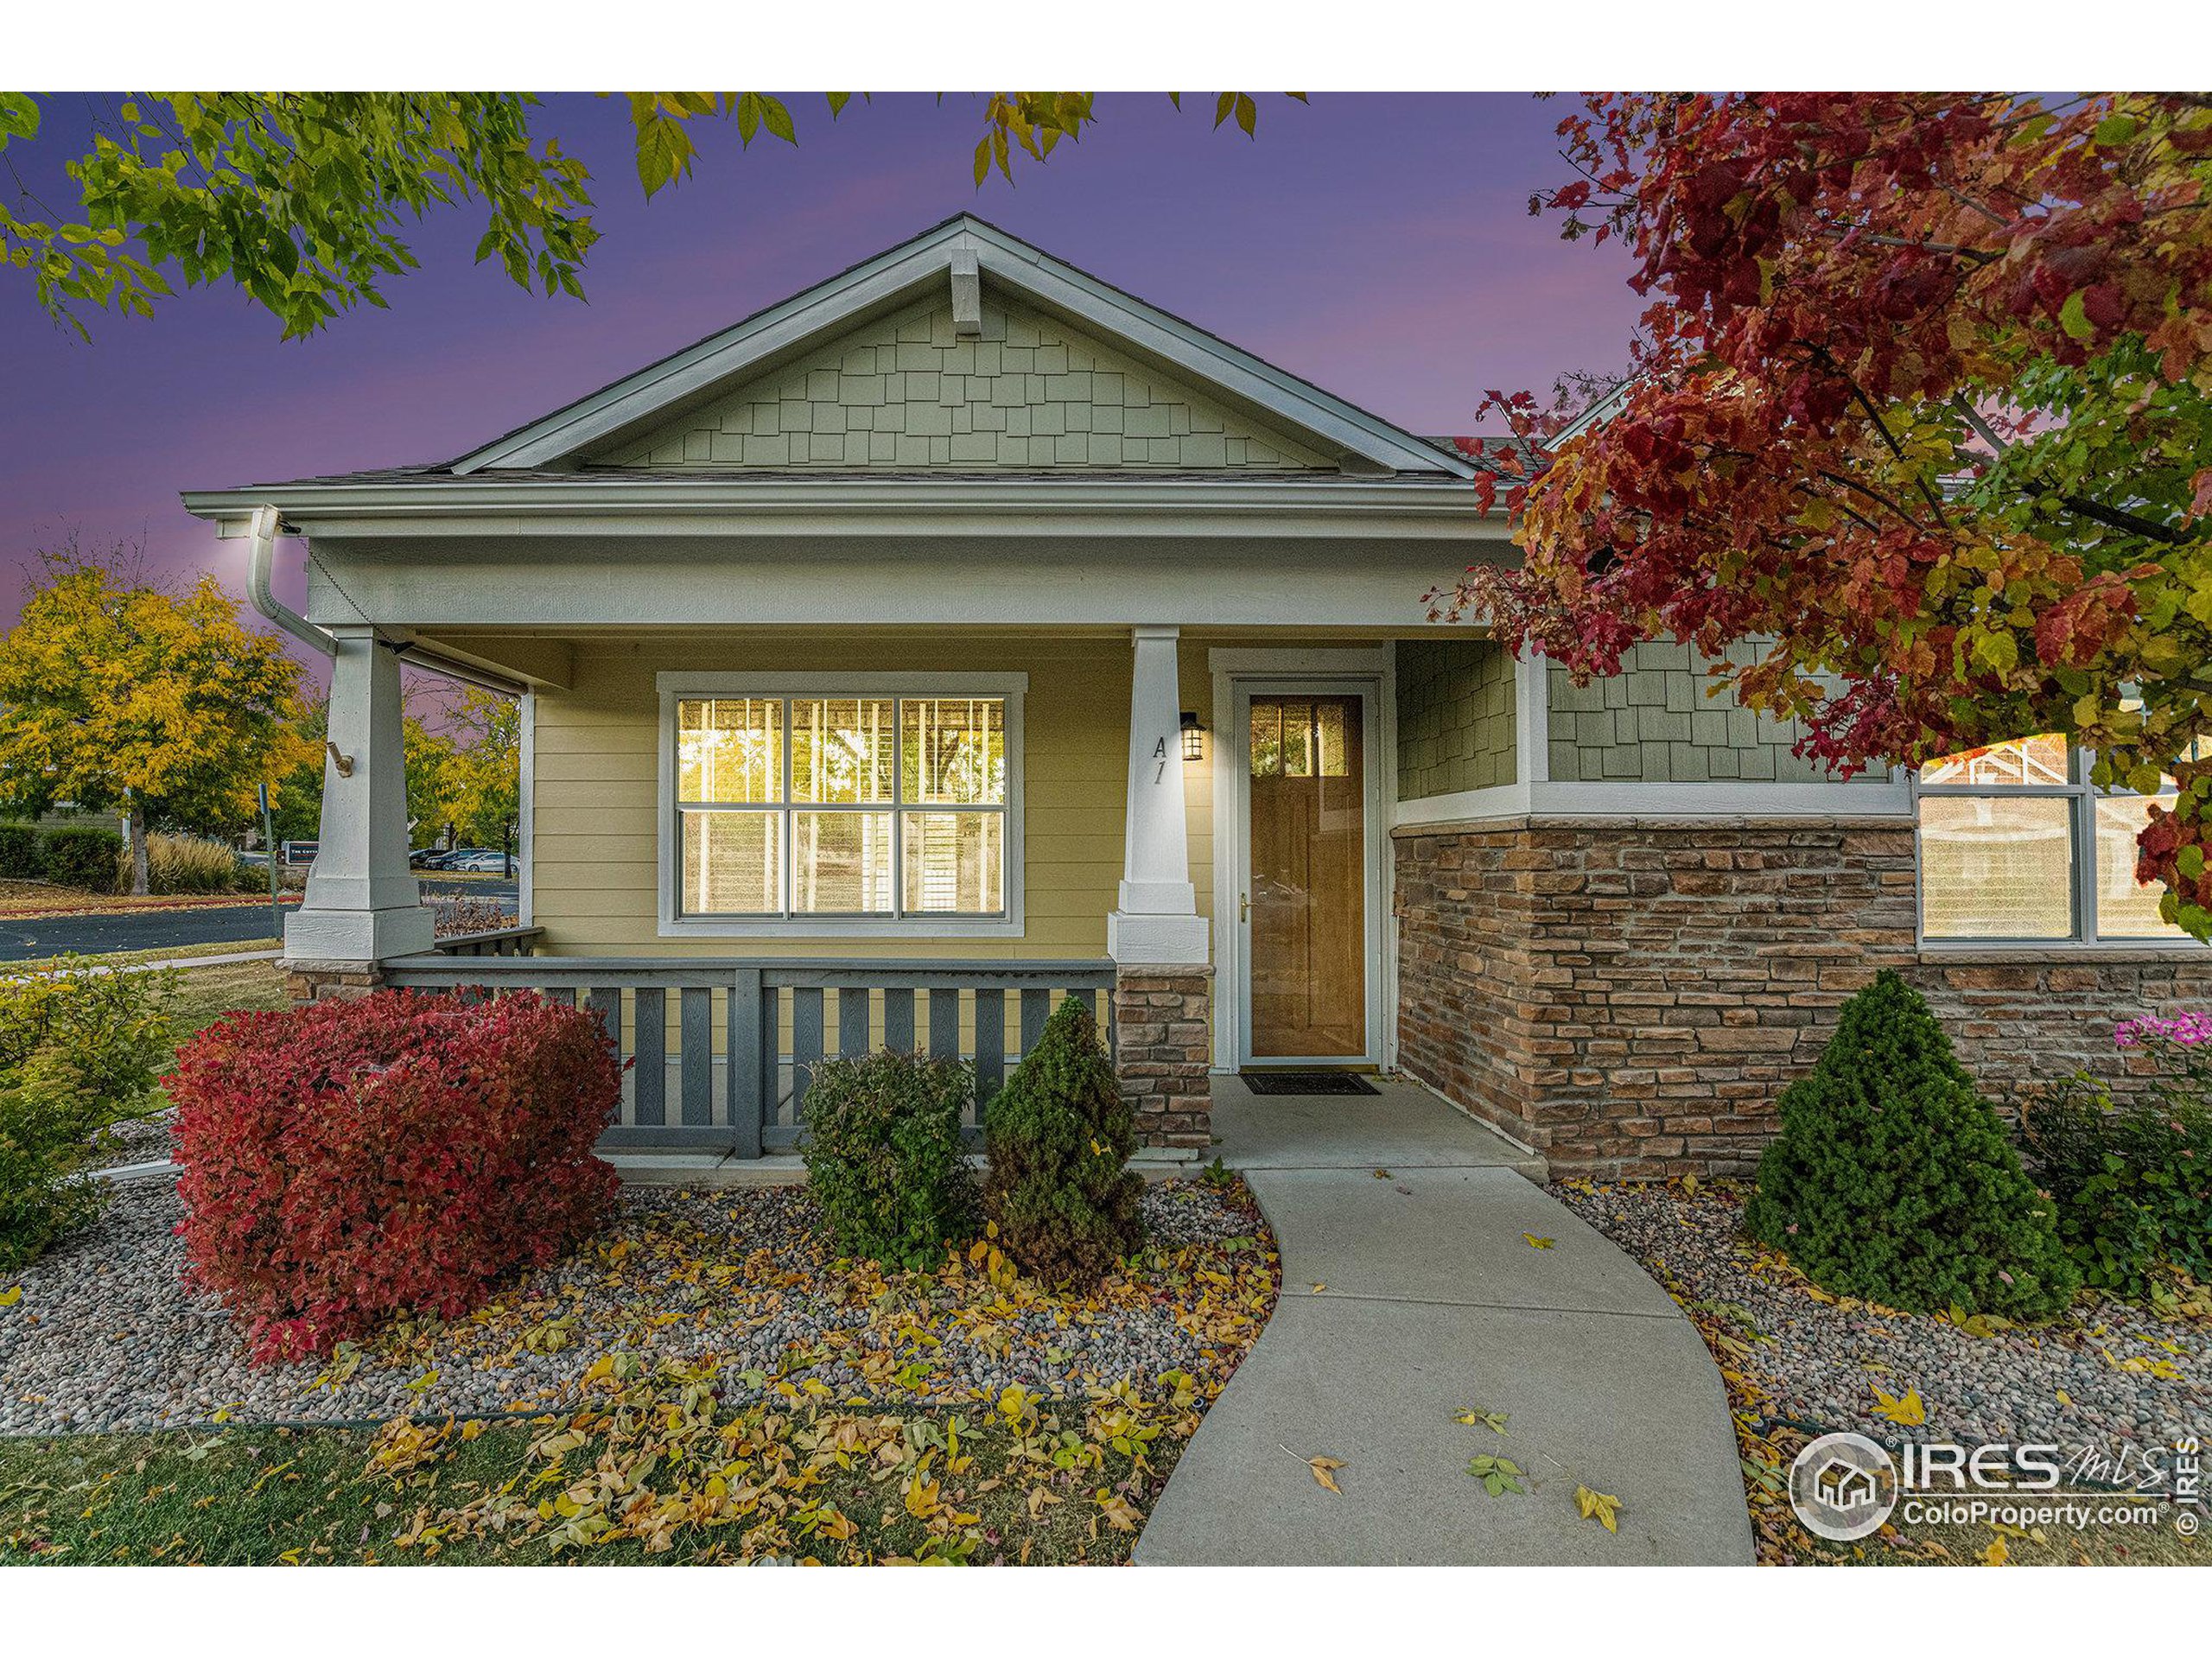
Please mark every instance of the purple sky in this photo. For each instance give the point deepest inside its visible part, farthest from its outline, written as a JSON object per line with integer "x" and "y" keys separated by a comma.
{"x": 1378, "y": 245}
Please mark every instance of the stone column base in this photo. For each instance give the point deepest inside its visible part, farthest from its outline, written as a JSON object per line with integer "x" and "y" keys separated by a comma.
{"x": 306, "y": 979}
{"x": 1163, "y": 1025}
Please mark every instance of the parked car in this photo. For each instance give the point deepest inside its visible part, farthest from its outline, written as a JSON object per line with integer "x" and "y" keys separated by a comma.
{"x": 429, "y": 858}
{"x": 477, "y": 861}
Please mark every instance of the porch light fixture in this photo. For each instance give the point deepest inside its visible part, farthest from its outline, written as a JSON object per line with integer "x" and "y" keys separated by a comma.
{"x": 1194, "y": 739}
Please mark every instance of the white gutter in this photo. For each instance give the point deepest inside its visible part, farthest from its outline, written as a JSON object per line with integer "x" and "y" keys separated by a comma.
{"x": 265, "y": 528}
{"x": 797, "y": 510}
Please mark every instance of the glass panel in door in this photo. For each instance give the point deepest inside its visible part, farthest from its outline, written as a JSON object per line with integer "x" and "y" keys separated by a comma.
{"x": 1307, "y": 947}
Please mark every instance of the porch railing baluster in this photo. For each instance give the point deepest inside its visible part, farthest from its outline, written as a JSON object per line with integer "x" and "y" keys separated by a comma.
{"x": 749, "y": 1106}
{"x": 990, "y": 1049}
{"x": 697, "y": 1016}
{"x": 899, "y": 1019}
{"x": 806, "y": 1046}
{"x": 852, "y": 1021}
{"x": 649, "y": 1077}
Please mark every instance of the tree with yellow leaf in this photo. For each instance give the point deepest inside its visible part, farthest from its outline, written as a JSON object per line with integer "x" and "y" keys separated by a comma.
{"x": 483, "y": 785}
{"x": 117, "y": 693}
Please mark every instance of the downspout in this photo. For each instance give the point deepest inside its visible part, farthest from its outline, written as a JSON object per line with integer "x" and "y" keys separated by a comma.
{"x": 266, "y": 526}
{"x": 266, "y": 522}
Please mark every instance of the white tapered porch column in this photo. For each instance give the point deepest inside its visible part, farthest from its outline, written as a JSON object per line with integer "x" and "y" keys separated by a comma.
{"x": 1156, "y": 919}
{"x": 363, "y": 903}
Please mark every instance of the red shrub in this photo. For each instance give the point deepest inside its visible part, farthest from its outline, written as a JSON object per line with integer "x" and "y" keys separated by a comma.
{"x": 351, "y": 1160}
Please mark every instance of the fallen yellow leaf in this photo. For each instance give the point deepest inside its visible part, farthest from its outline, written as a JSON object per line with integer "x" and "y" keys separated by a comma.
{"x": 1601, "y": 1507}
{"x": 1321, "y": 1468}
{"x": 1998, "y": 1553}
{"x": 1535, "y": 1243}
{"x": 10, "y": 1296}
{"x": 1318, "y": 1289}
{"x": 1908, "y": 1410}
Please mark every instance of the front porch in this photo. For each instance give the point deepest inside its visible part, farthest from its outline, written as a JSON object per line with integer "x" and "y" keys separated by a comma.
{"x": 1111, "y": 772}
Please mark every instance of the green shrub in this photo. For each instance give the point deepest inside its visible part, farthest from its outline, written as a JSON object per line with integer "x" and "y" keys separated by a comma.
{"x": 182, "y": 864}
{"x": 1059, "y": 1138}
{"x": 105, "y": 1036}
{"x": 2132, "y": 1179}
{"x": 43, "y": 1191}
{"x": 81, "y": 856}
{"x": 884, "y": 1160}
{"x": 1894, "y": 1181}
{"x": 18, "y": 852}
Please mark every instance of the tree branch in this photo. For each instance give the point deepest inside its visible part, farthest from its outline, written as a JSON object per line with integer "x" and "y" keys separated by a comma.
{"x": 1934, "y": 502}
{"x": 2110, "y": 517}
{"x": 1873, "y": 495}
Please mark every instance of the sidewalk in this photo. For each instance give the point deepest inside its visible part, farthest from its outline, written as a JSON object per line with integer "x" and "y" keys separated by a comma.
{"x": 1412, "y": 1298}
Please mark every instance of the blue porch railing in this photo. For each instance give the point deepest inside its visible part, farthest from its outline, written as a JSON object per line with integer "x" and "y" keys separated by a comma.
{"x": 724, "y": 1048}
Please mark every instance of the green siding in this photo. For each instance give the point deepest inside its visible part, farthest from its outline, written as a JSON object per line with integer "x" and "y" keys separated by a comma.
{"x": 906, "y": 391}
{"x": 1455, "y": 717}
{"x": 1653, "y": 723}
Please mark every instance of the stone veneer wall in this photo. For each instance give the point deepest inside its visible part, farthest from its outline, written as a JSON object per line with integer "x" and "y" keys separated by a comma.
{"x": 323, "y": 981}
{"x": 1162, "y": 1037}
{"x": 1630, "y": 998}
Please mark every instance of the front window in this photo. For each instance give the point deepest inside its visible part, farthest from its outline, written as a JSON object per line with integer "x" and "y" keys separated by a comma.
{"x": 841, "y": 806}
{"x": 2016, "y": 845}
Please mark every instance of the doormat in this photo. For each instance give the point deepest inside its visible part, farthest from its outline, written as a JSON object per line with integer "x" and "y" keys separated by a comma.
{"x": 1307, "y": 1083}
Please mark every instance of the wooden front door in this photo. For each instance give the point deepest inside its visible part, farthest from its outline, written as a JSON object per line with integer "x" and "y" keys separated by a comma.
{"x": 1307, "y": 876}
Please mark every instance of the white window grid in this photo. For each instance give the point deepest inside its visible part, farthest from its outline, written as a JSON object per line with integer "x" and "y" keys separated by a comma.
{"x": 1006, "y": 689}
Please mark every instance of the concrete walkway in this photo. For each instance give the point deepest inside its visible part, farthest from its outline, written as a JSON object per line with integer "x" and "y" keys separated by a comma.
{"x": 1411, "y": 1298}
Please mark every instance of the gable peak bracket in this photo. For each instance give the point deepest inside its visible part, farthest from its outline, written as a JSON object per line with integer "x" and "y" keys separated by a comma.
{"x": 967, "y": 295}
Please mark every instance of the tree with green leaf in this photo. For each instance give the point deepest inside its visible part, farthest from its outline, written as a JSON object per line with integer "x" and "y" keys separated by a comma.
{"x": 300, "y": 198}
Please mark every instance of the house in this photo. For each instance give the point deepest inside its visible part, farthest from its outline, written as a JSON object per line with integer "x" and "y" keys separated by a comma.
{"x": 964, "y": 632}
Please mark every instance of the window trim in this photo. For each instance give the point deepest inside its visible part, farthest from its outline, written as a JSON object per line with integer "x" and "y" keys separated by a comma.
{"x": 673, "y": 687}
{"x": 2082, "y": 797}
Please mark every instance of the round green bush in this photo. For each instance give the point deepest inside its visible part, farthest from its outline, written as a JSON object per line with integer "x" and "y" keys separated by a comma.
{"x": 81, "y": 856}
{"x": 884, "y": 1160}
{"x": 1059, "y": 1138}
{"x": 1894, "y": 1181}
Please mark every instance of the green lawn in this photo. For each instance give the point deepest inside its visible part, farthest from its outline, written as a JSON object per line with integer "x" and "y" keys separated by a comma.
{"x": 135, "y": 958}
{"x": 248, "y": 1497}
{"x": 207, "y": 993}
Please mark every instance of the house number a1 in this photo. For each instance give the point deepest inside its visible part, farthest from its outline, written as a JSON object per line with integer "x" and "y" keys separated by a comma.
{"x": 1160, "y": 753}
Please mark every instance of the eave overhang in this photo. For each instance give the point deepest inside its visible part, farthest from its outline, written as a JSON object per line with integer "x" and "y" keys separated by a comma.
{"x": 484, "y": 504}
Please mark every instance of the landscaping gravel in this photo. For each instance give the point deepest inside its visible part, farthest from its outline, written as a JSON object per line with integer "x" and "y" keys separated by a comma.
{"x": 104, "y": 1336}
{"x": 1819, "y": 1362}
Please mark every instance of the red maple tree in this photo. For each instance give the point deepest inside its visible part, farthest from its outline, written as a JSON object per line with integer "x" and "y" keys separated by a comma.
{"x": 1922, "y": 401}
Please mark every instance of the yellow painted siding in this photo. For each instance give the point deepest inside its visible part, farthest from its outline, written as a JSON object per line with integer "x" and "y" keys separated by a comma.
{"x": 597, "y": 762}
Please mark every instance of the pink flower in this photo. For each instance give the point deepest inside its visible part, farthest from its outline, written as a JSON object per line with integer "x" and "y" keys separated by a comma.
{"x": 1791, "y": 1230}
{"x": 2188, "y": 1030}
